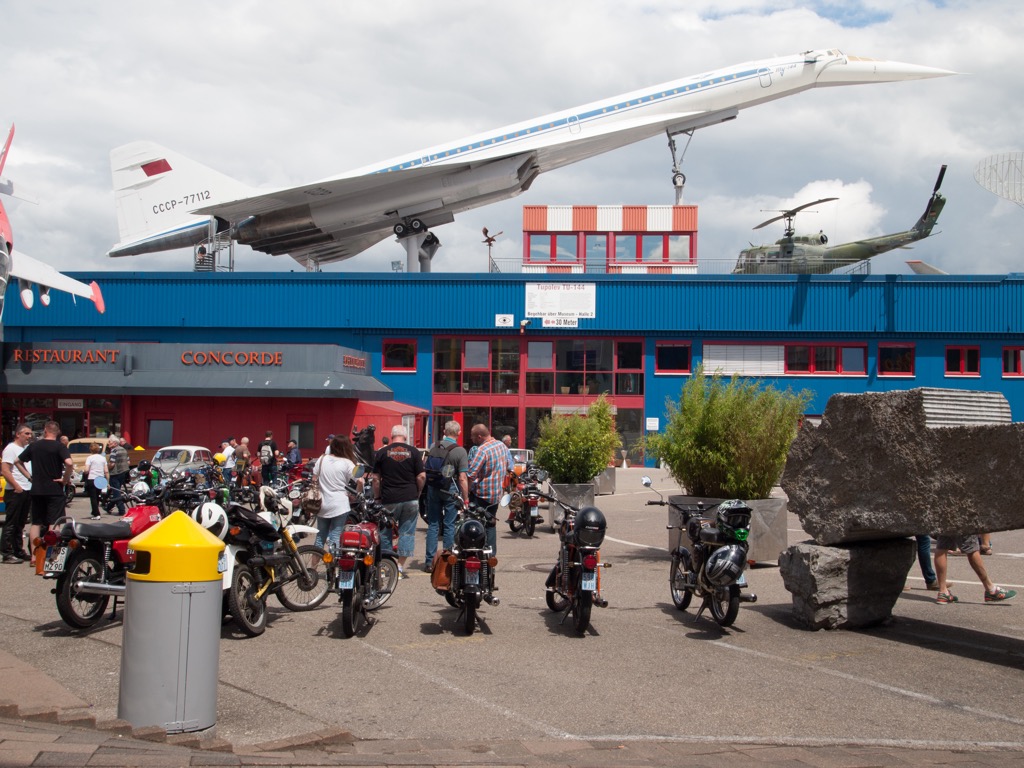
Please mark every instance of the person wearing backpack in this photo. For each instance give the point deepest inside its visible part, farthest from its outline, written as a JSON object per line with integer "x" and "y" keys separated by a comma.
{"x": 267, "y": 451}
{"x": 441, "y": 509}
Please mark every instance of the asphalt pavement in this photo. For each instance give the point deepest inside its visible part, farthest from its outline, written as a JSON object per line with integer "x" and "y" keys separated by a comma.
{"x": 646, "y": 685}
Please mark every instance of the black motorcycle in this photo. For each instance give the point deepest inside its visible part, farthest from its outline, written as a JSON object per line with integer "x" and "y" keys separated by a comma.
{"x": 574, "y": 584}
{"x": 465, "y": 575}
{"x": 714, "y": 568}
{"x": 525, "y": 503}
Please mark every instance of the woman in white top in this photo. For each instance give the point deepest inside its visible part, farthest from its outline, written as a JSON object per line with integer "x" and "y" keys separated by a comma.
{"x": 95, "y": 466}
{"x": 334, "y": 471}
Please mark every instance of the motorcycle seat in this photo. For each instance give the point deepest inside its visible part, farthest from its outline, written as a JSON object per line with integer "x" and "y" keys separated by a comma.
{"x": 118, "y": 529}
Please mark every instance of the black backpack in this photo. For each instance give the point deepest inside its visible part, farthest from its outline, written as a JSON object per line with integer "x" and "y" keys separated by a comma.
{"x": 436, "y": 458}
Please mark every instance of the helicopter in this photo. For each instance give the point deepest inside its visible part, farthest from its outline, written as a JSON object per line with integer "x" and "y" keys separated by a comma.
{"x": 811, "y": 255}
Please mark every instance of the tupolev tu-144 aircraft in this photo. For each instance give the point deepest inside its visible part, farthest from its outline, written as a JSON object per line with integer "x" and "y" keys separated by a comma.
{"x": 27, "y": 270}
{"x": 165, "y": 200}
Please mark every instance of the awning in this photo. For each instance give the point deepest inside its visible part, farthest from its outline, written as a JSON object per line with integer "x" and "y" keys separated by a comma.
{"x": 199, "y": 382}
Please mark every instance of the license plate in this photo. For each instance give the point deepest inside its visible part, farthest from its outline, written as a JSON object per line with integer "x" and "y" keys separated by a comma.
{"x": 589, "y": 581}
{"x": 346, "y": 579}
{"x": 55, "y": 557}
{"x": 222, "y": 562}
{"x": 534, "y": 512}
{"x": 473, "y": 577}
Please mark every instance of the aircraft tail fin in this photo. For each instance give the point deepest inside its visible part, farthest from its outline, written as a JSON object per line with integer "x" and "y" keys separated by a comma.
{"x": 7, "y": 146}
{"x": 155, "y": 190}
{"x": 936, "y": 202}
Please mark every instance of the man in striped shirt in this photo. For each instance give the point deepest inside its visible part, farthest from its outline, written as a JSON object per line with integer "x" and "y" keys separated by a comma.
{"x": 487, "y": 471}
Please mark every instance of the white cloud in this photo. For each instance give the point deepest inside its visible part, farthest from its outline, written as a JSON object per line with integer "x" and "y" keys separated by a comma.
{"x": 277, "y": 94}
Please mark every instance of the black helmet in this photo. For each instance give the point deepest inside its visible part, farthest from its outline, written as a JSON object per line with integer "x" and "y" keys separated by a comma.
{"x": 590, "y": 527}
{"x": 144, "y": 466}
{"x": 733, "y": 519}
{"x": 471, "y": 535}
{"x": 726, "y": 564}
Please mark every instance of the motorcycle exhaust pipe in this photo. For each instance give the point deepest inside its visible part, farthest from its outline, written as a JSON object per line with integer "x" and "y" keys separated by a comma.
{"x": 745, "y": 598}
{"x": 99, "y": 588}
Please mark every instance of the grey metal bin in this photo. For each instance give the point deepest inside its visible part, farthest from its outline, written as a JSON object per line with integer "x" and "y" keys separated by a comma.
{"x": 172, "y": 620}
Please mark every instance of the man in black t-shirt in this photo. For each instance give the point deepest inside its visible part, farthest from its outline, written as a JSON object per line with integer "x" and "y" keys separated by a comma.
{"x": 52, "y": 469}
{"x": 268, "y": 453}
{"x": 398, "y": 478}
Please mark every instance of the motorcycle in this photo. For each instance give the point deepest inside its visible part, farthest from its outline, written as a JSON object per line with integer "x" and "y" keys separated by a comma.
{"x": 574, "y": 584}
{"x": 261, "y": 556}
{"x": 89, "y": 560}
{"x": 524, "y": 506}
{"x": 362, "y": 573}
{"x": 465, "y": 575}
{"x": 714, "y": 569}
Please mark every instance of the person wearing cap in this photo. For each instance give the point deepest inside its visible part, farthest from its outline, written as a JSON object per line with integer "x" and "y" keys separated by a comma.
{"x": 330, "y": 437}
{"x": 292, "y": 456}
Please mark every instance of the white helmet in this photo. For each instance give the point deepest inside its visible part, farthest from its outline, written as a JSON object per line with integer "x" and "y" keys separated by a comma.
{"x": 212, "y": 517}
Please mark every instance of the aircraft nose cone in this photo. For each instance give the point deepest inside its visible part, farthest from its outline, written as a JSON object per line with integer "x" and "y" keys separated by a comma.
{"x": 856, "y": 69}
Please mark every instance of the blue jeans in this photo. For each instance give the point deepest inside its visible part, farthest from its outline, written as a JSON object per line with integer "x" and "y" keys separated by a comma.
{"x": 116, "y": 484}
{"x": 329, "y": 529}
{"x": 406, "y": 513}
{"x": 441, "y": 513}
{"x": 490, "y": 526}
{"x": 924, "y": 557}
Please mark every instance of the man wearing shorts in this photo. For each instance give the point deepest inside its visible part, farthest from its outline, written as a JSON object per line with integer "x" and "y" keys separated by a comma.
{"x": 969, "y": 546}
{"x": 52, "y": 469}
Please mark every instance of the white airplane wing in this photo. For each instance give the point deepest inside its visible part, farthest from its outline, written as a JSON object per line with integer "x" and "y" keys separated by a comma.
{"x": 32, "y": 271}
{"x": 924, "y": 268}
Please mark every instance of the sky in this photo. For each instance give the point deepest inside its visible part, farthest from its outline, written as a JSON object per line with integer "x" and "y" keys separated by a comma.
{"x": 282, "y": 94}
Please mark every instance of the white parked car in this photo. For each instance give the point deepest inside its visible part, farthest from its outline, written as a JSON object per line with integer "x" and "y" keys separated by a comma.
{"x": 182, "y": 457}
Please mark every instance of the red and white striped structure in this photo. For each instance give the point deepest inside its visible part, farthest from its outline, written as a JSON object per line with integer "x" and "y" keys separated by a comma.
{"x": 677, "y": 224}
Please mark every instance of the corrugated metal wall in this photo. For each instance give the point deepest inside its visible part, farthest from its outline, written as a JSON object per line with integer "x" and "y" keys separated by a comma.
{"x": 283, "y": 305}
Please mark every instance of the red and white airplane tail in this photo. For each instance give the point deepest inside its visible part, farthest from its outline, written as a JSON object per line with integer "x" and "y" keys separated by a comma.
{"x": 154, "y": 190}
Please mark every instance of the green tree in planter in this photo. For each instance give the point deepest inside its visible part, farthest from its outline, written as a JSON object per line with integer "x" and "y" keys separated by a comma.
{"x": 729, "y": 438}
{"x": 575, "y": 448}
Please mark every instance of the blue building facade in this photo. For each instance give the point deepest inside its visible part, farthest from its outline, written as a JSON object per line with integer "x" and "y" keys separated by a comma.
{"x": 503, "y": 349}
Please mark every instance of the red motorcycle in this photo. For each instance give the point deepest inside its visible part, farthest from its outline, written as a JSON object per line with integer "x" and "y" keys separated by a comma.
{"x": 89, "y": 560}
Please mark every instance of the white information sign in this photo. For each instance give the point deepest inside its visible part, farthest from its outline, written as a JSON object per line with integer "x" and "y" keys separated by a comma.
{"x": 652, "y": 423}
{"x": 503, "y": 321}
{"x": 560, "y": 322}
{"x": 561, "y": 300}
{"x": 70, "y": 403}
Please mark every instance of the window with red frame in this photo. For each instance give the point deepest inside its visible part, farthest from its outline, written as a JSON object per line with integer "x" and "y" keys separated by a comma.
{"x": 671, "y": 357}
{"x": 826, "y": 359}
{"x": 1012, "y": 361}
{"x": 895, "y": 359}
{"x": 963, "y": 361}
{"x": 399, "y": 355}
{"x": 547, "y": 248}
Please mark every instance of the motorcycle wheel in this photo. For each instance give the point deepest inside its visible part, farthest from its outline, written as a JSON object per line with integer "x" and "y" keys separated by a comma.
{"x": 252, "y": 620}
{"x": 556, "y": 601}
{"x": 514, "y": 525}
{"x": 676, "y": 578}
{"x": 69, "y": 493}
{"x": 387, "y": 569}
{"x": 304, "y": 593}
{"x": 725, "y": 605}
{"x": 469, "y": 615}
{"x": 352, "y": 615}
{"x": 80, "y": 611}
{"x": 529, "y": 526}
{"x": 450, "y": 599}
{"x": 581, "y": 611}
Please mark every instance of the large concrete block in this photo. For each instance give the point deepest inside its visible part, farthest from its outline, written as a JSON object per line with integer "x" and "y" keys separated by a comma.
{"x": 893, "y": 464}
{"x": 846, "y": 587}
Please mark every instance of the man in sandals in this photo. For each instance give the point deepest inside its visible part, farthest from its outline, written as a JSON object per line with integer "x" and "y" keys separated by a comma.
{"x": 969, "y": 546}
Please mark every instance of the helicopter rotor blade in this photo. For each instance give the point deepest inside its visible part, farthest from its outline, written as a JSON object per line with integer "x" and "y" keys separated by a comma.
{"x": 793, "y": 211}
{"x": 938, "y": 181}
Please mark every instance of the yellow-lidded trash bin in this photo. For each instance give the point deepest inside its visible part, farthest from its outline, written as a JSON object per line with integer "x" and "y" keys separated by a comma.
{"x": 172, "y": 619}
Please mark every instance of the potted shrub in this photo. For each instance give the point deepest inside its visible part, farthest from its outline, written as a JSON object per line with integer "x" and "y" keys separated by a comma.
{"x": 575, "y": 448}
{"x": 728, "y": 439}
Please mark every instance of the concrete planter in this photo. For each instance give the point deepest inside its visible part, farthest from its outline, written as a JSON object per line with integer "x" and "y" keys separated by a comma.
{"x": 768, "y": 531}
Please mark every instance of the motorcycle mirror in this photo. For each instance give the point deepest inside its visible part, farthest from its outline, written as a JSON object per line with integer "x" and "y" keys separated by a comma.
{"x": 100, "y": 483}
{"x": 542, "y": 475}
{"x": 645, "y": 481}
{"x": 359, "y": 471}
{"x": 448, "y": 470}
{"x": 505, "y": 500}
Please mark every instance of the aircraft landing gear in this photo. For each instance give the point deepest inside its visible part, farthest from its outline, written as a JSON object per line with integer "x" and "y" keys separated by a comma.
{"x": 678, "y": 177}
{"x": 408, "y": 227}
